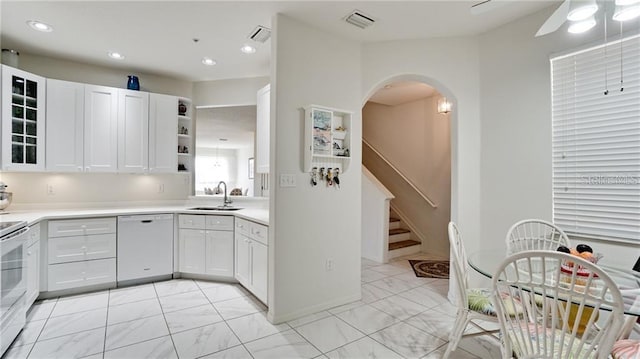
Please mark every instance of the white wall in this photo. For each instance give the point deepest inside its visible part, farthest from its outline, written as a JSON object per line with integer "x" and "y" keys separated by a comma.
{"x": 416, "y": 139}
{"x": 309, "y": 225}
{"x": 99, "y": 75}
{"x": 451, "y": 66}
{"x": 31, "y": 188}
{"x": 516, "y": 127}
{"x": 236, "y": 92}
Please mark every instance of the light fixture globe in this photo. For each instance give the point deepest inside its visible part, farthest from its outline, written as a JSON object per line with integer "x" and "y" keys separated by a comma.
{"x": 582, "y": 10}
{"x": 444, "y": 106}
{"x": 39, "y": 26}
{"x": 626, "y": 13}
{"x": 582, "y": 26}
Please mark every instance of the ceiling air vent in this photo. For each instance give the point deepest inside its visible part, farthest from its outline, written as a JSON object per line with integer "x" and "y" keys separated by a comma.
{"x": 260, "y": 34}
{"x": 359, "y": 19}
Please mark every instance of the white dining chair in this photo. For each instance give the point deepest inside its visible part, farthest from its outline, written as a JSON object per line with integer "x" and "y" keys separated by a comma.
{"x": 576, "y": 294}
{"x": 473, "y": 304}
{"x": 535, "y": 234}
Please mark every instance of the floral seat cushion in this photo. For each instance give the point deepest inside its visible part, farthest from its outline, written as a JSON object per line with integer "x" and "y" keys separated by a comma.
{"x": 626, "y": 349}
{"x": 479, "y": 300}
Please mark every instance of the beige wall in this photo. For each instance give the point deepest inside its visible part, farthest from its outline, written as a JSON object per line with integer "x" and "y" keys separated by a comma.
{"x": 417, "y": 141}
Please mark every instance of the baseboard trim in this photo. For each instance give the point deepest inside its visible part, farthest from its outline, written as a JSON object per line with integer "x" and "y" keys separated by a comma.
{"x": 278, "y": 319}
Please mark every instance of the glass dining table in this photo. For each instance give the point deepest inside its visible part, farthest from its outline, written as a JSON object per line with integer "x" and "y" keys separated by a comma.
{"x": 486, "y": 262}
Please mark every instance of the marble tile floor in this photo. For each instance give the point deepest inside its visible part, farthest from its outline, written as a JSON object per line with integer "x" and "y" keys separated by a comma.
{"x": 399, "y": 316}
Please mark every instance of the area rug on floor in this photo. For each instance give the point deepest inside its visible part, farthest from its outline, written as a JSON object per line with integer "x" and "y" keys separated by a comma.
{"x": 430, "y": 268}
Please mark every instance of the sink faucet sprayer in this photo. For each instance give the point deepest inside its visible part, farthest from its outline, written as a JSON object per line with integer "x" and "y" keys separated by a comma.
{"x": 227, "y": 201}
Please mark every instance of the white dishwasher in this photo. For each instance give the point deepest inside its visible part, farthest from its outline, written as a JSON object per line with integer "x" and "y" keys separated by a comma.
{"x": 145, "y": 246}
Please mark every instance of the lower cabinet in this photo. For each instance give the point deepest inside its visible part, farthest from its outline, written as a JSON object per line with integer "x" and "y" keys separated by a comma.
{"x": 251, "y": 257}
{"x": 206, "y": 245}
{"x": 191, "y": 249}
{"x": 81, "y": 252}
{"x": 81, "y": 274}
{"x": 33, "y": 264}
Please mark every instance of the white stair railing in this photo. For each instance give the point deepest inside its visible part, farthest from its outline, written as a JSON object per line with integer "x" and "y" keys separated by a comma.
{"x": 405, "y": 178}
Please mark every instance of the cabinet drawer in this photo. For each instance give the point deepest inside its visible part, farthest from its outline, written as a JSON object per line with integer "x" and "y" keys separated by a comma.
{"x": 34, "y": 234}
{"x": 220, "y": 223}
{"x": 259, "y": 233}
{"x": 191, "y": 221}
{"x": 80, "y": 248}
{"x": 81, "y": 227}
{"x": 81, "y": 274}
{"x": 243, "y": 227}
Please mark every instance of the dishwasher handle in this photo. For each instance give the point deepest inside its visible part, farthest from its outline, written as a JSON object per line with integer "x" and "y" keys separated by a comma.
{"x": 146, "y": 221}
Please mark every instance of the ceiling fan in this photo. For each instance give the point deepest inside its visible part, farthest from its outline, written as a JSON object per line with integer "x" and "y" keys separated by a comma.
{"x": 579, "y": 13}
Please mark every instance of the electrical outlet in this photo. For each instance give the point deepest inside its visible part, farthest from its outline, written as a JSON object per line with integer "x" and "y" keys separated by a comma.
{"x": 287, "y": 180}
{"x": 50, "y": 191}
{"x": 329, "y": 264}
{"x": 161, "y": 188}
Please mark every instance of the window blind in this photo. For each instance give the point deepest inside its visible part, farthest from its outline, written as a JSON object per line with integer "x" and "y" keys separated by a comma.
{"x": 596, "y": 141}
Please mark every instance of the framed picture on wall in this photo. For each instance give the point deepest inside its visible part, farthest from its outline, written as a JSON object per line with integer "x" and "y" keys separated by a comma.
{"x": 251, "y": 167}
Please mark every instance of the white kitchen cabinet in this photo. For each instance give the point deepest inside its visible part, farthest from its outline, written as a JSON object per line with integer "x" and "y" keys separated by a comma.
{"x": 219, "y": 253}
{"x": 163, "y": 122}
{"x": 23, "y": 120}
{"x": 33, "y": 264}
{"x": 65, "y": 126}
{"x": 251, "y": 257}
{"x": 242, "y": 259}
{"x": 206, "y": 245}
{"x": 101, "y": 129}
{"x": 81, "y": 252}
{"x": 263, "y": 131}
{"x": 133, "y": 131}
{"x": 192, "y": 258}
{"x": 259, "y": 269}
{"x": 81, "y": 274}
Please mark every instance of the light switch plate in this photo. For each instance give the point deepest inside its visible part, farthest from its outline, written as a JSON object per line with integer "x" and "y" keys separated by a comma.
{"x": 287, "y": 180}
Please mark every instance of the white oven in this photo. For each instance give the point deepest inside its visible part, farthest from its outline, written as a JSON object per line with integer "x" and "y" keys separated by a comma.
{"x": 13, "y": 284}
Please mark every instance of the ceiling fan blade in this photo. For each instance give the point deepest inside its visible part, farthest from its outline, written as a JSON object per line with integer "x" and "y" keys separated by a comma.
{"x": 485, "y": 6}
{"x": 556, "y": 20}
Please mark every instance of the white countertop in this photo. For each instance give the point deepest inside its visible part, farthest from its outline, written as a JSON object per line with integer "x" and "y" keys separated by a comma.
{"x": 258, "y": 215}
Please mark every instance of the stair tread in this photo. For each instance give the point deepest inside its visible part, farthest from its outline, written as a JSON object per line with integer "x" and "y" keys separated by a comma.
{"x": 391, "y": 219}
{"x": 403, "y": 244}
{"x": 398, "y": 231}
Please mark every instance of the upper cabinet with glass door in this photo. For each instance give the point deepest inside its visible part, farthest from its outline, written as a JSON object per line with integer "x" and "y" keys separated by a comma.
{"x": 23, "y": 127}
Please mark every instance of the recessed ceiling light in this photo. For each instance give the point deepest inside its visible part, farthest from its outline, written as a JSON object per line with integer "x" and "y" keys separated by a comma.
{"x": 40, "y": 26}
{"x": 248, "y": 49}
{"x": 582, "y": 26}
{"x": 116, "y": 55}
{"x": 208, "y": 61}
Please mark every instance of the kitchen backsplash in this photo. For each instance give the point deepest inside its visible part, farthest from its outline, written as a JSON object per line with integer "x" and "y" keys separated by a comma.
{"x": 30, "y": 188}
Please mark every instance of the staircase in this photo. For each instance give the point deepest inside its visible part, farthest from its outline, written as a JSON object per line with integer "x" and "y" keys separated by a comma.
{"x": 400, "y": 242}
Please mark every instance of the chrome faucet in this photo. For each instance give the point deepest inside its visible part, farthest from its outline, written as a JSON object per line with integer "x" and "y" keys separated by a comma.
{"x": 227, "y": 201}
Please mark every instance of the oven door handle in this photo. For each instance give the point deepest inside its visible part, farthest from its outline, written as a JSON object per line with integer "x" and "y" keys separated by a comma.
{"x": 15, "y": 234}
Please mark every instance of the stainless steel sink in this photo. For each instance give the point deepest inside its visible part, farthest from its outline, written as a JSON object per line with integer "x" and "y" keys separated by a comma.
{"x": 218, "y": 208}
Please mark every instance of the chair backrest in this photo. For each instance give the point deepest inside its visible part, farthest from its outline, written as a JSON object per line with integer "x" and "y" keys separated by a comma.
{"x": 572, "y": 291}
{"x": 535, "y": 234}
{"x": 459, "y": 265}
